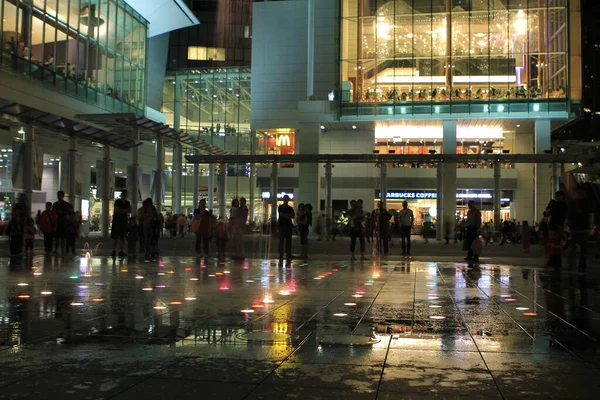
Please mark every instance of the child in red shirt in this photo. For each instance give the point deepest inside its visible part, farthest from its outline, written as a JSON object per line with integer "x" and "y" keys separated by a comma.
{"x": 48, "y": 222}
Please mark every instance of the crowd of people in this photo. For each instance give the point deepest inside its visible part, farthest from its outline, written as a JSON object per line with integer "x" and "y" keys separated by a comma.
{"x": 484, "y": 93}
{"x": 59, "y": 224}
{"x": 566, "y": 223}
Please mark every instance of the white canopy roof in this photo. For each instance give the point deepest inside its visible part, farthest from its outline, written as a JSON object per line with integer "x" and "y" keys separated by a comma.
{"x": 164, "y": 15}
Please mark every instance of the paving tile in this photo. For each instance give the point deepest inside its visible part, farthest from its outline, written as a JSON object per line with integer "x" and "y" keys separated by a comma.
{"x": 269, "y": 392}
{"x": 214, "y": 336}
{"x": 156, "y": 388}
{"x": 219, "y": 370}
{"x": 355, "y": 377}
{"x": 68, "y": 385}
{"x": 433, "y": 381}
{"x": 461, "y": 360}
{"x": 340, "y": 355}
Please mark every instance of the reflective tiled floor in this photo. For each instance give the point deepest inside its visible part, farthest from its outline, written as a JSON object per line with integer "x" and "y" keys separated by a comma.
{"x": 181, "y": 328}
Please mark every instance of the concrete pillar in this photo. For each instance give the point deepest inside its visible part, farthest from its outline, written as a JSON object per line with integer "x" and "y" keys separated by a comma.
{"x": 211, "y": 186}
{"x": 135, "y": 171}
{"x": 307, "y": 142}
{"x": 222, "y": 189}
{"x": 310, "y": 59}
{"x": 439, "y": 232}
{"x": 449, "y": 174}
{"x": 73, "y": 198}
{"x": 159, "y": 170}
{"x": 542, "y": 172}
{"x": 177, "y": 177}
{"x": 383, "y": 183}
{"x": 497, "y": 195}
{"x": 28, "y": 164}
{"x": 86, "y": 181}
{"x": 524, "y": 195}
{"x": 555, "y": 176}
{"x": 196, "y": 186}
{"x": 106, "y": 195}
{"x": 328, "y": 199}
{"x": 274, "y": 191}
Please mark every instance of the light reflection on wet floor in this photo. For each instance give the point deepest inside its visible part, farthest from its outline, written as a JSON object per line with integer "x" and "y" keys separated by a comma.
{"x": 88, "y": 328}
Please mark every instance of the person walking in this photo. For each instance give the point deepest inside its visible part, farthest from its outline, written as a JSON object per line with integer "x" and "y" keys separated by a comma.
{"x": 120, "y": 225}
{"x": 72, "y": 230}
{"x": 369, "y": 226}
{"x": 29, "y": 235}
{"x": 150, "y": 220}
{"x": 356, "y": 217}
{"x": 173, "y": 226}
{"x": 526, "y": 236}
{"x": 181, "y": 225}
{"x": 235, "y": 221}
{"x": 48, "y": 227}
{"x": 302, "y": 224}
{"x": 407, "y": 221}
{"x": 383, "y": 228}
{"x": 61, "y": 207}
{"x": 473, "y": 224}
{"x": 556, "y": 213}
{"x": 202, "y": 228}
{"x": 580, "y": 225}
{"x": 286, "y": 228}
{"x": 242, "y": 223}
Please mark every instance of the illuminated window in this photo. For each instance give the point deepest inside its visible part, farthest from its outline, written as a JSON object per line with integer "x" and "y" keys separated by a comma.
{"x": 206, "y": 53}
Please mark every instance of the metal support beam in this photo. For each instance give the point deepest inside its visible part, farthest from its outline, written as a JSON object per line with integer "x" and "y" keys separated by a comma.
{"x": 74, "y": 199}
{"x": 391, "y": 158}
{"x": 28, "y": 163}
{"x": 177, "y": 177}
{"x": 222, "y": 190}
{"x": 135, "y": 171}
{"x": 497, "y": 195}
{"x": 439, "y": 232}
{"x": 274, "y": 191}
{"x": 252, "y": 193}
{"x": 106, "y": 195}
{"x": 159, "y": 169}
{"x": 383, "y": 183}
{"x": 211, "y": 186}
{"x": 196, "y": 186}
{"x": 328, "y": 199}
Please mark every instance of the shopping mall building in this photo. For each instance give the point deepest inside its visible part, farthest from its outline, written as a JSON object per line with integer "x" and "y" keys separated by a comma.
{"x": 81, "y": 85}
{"x": 96, "y": 96}
{"x": 412, "y": 77}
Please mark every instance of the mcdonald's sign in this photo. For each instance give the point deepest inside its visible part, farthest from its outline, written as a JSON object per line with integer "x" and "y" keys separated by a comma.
{"x": 283, "y": 141}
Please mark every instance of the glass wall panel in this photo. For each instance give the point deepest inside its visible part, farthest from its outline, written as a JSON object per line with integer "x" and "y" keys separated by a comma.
{"x": 446, "y": 51}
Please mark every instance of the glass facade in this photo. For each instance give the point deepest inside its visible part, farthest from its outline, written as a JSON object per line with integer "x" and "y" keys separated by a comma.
{"x": 212, "y": 105}
{"x": 94, "y": 50}
{"x": 500, "y": 55}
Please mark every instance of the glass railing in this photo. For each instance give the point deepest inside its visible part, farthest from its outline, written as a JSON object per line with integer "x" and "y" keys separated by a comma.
{"x": 69, "y": 84}
{"x": 458, "y": 106}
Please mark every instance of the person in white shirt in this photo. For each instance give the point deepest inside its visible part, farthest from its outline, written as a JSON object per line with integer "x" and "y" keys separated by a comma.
{"x": 407, "y": 220}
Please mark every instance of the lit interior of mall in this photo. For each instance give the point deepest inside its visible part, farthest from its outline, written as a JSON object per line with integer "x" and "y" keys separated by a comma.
{"x": 403, "y": 51}
{"x": 212, "y": 105}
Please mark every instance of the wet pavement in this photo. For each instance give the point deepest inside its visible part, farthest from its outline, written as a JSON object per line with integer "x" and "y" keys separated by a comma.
{"x": 88, "y": 328}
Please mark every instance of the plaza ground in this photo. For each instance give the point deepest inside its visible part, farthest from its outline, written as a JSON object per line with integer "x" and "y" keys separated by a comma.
{"x": 78, "y": 328}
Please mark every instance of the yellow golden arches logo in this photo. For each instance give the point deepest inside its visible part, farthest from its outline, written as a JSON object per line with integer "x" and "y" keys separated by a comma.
{"x": 283, "y": 141}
